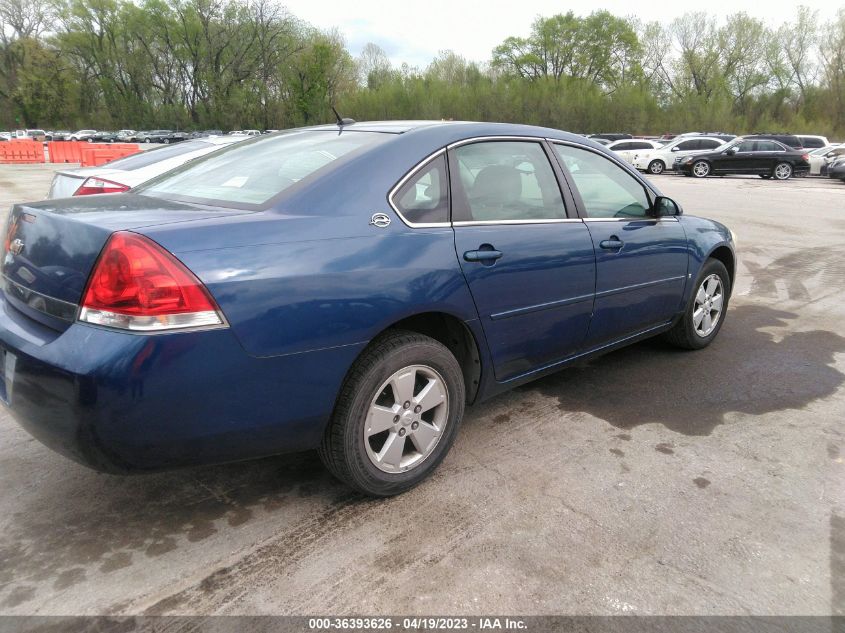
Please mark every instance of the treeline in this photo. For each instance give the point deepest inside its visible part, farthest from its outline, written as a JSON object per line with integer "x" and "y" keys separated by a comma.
{"x": 250, "y": 64}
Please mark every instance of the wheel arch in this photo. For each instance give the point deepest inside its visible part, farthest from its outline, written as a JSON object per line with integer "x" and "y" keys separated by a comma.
{"x": 447, "y": 329}
{"x": 724, "y": 254}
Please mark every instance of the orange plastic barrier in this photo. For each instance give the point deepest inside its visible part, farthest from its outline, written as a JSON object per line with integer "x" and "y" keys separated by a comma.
{"x": 22, "y": 151}
{"x": 65, "y": 151}
{"x": 95, "y": 155}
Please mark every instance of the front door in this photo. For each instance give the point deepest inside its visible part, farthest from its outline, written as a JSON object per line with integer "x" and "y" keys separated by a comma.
{"x": 530, "y": 266}
{"x": 641, "y": 261}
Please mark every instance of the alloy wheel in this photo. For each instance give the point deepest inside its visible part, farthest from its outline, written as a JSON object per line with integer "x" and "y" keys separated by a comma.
{"x": 708, "y": 305}
{"x": 783, "y": 171}
{"x": 656, "y": 167}
{"x": 406, "y": 419}
{"x": 701, "y": 169}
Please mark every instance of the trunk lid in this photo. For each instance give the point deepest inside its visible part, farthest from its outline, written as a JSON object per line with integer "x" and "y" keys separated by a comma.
{"x": 51, "y": 246}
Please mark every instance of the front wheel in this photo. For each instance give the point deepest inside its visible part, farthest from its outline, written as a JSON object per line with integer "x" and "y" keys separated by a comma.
{"x": 167, "y": 141}
{"x": 783, "y": 171}
{"x": 701, "y": 169}
{"x": 706, "y": 310}
{"x": 656, "y": 167}
{"x": 397, "y": 415}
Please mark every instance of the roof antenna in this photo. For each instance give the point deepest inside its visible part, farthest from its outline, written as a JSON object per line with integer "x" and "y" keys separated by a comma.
{"x": 340, "y": 120}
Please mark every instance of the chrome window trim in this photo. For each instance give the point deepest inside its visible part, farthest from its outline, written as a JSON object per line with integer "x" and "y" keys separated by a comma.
{"x": 476, "y": 139}
{"x": 414, "y": 170}
{"x": 494, "y": 222}
{"x": 638, "y": 218}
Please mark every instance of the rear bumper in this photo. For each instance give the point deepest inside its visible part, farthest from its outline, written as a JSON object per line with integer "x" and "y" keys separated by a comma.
{"x": 123, "y": 403}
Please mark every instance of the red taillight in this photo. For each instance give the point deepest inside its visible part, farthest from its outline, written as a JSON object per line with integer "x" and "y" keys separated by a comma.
{"x": 99, "y": 185}
{"x": 137, "y": 285}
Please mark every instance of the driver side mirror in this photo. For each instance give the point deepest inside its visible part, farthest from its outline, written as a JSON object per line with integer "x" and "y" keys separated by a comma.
{"x": 731, "y": 151}
{"x": 665, "y": 207}
{"x": 675, "y": 149}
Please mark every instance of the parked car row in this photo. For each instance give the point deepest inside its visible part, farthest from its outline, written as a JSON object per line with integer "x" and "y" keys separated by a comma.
{"x": 777, "y": 156}
{"x": 122, "y": 136}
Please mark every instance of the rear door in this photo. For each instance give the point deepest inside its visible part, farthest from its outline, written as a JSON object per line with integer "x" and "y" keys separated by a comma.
{"x": 766, "y": 155}
{"x": 641, "y": 261}
{"x": 527, "y": 257}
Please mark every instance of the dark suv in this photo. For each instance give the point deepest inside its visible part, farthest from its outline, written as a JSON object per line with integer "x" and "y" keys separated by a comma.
{"x": 787, "y": 139}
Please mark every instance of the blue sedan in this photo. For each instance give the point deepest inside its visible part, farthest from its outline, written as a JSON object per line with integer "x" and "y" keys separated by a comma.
{"x": 349, "y": 288}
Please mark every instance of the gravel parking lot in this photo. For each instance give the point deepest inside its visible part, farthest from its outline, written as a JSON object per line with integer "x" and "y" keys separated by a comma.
{"x": 649, "y": 481}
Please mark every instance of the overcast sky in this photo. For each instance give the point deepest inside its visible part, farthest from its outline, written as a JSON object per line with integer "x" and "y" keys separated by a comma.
{"x": 414, "y": 32}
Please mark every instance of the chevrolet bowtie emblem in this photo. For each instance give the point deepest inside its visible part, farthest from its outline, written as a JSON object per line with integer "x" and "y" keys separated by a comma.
{"x": 16, "y": 247}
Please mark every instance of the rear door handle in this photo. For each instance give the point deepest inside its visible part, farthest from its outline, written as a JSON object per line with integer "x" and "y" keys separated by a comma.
{"x": 613, "y": 244}
{"x": 483, "y": 255}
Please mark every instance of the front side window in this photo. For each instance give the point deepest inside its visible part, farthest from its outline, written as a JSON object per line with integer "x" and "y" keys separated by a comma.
{"x": 250, "y": 173}
{"x": 504, "y": 180}
{"x": 424, "y": 198}
{"x": 607, "y": 190}
{"x": 745, "y": 146}
{"x": 688, "y": 145}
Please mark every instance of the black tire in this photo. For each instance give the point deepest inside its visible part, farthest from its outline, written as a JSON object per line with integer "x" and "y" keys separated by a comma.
{"x": 698, "y": 169}
{"x": 342, "y": 449}
{"x": 782, "y": 171}
{"x": 683, "y": 333}
{"x": 656, "y": 167}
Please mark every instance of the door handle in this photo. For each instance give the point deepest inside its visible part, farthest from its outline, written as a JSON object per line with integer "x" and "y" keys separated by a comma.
{"x": 613, "y": 244}
{"x": 484, "y": 255}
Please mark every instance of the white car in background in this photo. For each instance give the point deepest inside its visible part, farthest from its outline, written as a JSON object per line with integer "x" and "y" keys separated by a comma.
{"x": 659, "y": 160}
{"x": 122, "y": 174}
{"x": 82, "y": 135}
{"x": 627, "y": 148}
{"x": 822, "y": 157}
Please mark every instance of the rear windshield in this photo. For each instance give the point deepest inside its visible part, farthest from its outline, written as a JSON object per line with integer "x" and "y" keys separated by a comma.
{"x": 150, "y": 156}
{"x": 250, "y": 173}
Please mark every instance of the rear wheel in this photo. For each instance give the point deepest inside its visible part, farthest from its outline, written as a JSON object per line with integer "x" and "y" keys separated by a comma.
{"x": 783, "y": 171}
{"x": 397, "y": 415}
{"x": 656, "y": 167}
{"x": 701, "y": 169}
{"x": 167, "y": 141}
{"x": 706, "y": 310}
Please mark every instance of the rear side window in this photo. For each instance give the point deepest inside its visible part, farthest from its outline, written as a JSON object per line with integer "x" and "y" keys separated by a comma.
{"x": 607, "y": 190}
{"x": 709, "y": 143}
{"x": 504, "y": 181}
{"x": 809, "y": 141}
{"x": 766, "y": 146}
{"x": 640, "y": 146}
{"x": 424, "y": 198}
{"x": 688, "y": 145}
{"x": 251, "y": 173}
